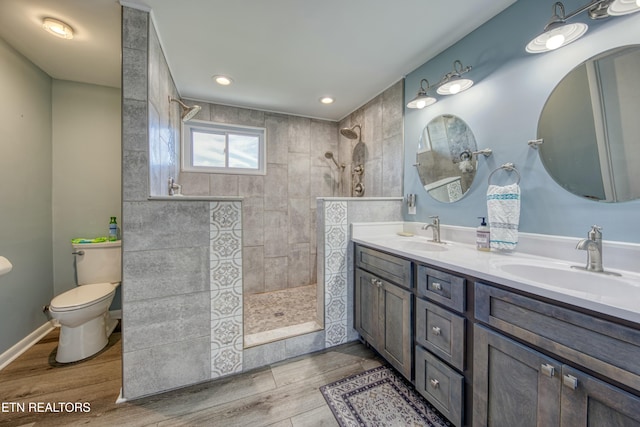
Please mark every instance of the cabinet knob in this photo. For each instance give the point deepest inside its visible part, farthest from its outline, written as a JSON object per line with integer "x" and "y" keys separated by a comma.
{"x": 434, "y": 383}
{"x": 436, "y": 330}
{"x": 437, "y": 286}
{"x": 548, "y": 370}
{"x": 570, "y": 381}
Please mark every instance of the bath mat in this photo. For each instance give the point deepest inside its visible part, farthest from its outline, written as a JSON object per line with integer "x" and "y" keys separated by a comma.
{"x": 379, "y": 397}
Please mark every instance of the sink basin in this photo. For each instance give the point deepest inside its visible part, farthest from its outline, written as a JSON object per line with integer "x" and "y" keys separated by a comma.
{"x": 418, "y": 244}
{"x": 563, "y": 276}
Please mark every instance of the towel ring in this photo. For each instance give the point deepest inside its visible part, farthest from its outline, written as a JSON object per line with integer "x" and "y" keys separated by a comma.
{"x": 508, "y": 167}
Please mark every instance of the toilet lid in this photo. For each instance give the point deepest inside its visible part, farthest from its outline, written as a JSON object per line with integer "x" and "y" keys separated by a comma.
{"x": 82, "y": 295}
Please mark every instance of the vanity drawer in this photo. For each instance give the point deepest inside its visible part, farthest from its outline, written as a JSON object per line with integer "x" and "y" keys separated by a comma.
{"x": 443, "y": 288}
{"x": 600, "y": 345}
{"x": 441, "y": 332}
{"x": 440, "y": 385}
{"x": 385, "y": 266}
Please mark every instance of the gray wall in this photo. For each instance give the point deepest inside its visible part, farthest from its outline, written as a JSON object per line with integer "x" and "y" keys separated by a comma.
{"x": 86, "y": 169}
{"x": 25, "y": 210}
{"x": 61, "y": 159}
{"x": 279, "y": 208}
{"x": 502, "y": 109}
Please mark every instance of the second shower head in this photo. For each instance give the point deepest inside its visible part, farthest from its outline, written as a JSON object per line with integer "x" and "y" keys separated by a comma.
{"x": 350, "y": 133}
{"x": 187, "y": 112}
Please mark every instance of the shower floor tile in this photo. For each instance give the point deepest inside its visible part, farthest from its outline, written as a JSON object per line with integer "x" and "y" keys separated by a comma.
{"x": 280, "y": 314}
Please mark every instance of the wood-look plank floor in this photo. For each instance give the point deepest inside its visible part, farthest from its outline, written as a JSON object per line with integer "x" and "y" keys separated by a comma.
{"x": 285, "y": 394}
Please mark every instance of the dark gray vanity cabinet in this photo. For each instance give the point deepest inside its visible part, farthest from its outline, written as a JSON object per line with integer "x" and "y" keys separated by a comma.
{"x": 517, "y": 385}
{"x": 440, "y": 337}
{"x": 383, "y": 306}
{"x": 513, "y": 384}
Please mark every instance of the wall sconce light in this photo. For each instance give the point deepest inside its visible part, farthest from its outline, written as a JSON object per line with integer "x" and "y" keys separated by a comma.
{"x": 422, "y": 99}
{"x": 452, "y": 82}
{"x": 558, "y": 32}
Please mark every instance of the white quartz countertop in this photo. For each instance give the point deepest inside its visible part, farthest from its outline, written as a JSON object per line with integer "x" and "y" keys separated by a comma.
{"x": 617, "y": 296}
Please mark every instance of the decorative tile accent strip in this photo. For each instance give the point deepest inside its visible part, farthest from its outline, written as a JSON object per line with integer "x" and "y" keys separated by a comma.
{"x": 335, "y": 258}
{"x": 225, "y": 254}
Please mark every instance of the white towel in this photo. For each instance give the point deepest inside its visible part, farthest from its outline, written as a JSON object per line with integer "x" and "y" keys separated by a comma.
{"x": 503, "y": 209}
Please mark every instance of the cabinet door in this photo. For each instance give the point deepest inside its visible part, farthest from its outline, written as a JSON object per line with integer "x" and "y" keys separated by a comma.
{"x": 587, "y": 401}
{"x": 513, "y": 385}
{"x": 366, "y": 306}
{"x": 395, "y": 331}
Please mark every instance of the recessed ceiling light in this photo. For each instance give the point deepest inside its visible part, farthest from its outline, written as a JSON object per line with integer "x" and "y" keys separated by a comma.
{"x": 57, "y": 28}
{"x": 326, "y": 100}
{"x": 222, "y": 80}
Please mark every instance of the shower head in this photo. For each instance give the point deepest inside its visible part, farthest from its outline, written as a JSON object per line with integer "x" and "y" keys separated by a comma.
{"x": 187, "y": 112}
{"x": 350, "y": 133}
{"x": 329, "y": 155}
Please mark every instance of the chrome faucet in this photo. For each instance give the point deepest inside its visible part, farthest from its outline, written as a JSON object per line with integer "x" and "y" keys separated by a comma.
{"x": 174, "y": 188}
{"x": 435, "y": 227}
{"x": 593, "y": 245}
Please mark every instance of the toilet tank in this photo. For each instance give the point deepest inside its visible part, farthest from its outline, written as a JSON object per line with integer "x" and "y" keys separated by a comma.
{"x": 99, "y": 262}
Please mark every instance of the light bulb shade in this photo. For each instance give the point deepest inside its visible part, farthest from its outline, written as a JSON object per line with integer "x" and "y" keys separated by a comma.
{"x": 454, "y": 85}
{"x": 57, "y": 28}
{"x": 556, "y": 37}
{"x": 421, "y": 100}
{"x": 623, "y": 7}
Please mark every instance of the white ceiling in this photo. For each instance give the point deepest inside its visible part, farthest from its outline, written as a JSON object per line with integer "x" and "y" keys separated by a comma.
{"x": 282, "y": 54}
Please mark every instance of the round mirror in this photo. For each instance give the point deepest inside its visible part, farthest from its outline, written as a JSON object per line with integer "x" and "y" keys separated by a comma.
{"x": 445, "y": 161}
{"x": 590, "y": 128}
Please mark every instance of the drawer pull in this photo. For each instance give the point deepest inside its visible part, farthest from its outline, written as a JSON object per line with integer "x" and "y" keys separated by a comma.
{"x": 376, "y": 282}
{"x": 434, "y": 383}
{"x": 436, "y": 330}
{"x": 570, "y": 381}
{"x": 548, "y": 370}
{"x": 437, "y": 286}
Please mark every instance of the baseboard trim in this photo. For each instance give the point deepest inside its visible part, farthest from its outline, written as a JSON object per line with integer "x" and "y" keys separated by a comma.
{"x": 25, "y": 344}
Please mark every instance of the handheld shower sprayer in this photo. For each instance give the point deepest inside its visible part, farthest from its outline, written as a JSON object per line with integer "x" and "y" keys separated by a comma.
{"x": 187, "y": 112}
{"x": 329, "y": 155}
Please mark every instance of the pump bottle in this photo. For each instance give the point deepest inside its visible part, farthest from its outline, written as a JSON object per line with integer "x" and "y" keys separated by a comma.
{"x": 483, "y": 237}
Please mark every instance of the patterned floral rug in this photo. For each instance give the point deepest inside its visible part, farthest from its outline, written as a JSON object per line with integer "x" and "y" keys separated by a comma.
{"x": 379, "y": 397}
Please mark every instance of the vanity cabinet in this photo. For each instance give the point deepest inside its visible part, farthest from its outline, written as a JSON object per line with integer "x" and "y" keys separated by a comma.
{"x": 440, "y": 340}
{"x": 517, "y": 385}
{"x": 383, "y": 309}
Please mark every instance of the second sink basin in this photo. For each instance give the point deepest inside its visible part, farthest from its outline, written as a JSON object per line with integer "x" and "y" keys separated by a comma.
{"x": 563, "y": 276}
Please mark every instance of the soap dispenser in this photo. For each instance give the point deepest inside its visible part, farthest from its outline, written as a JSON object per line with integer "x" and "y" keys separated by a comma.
{"x": 483, "y": 240}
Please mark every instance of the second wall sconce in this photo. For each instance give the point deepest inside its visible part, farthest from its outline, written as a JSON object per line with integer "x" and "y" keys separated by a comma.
{"x": 558, "y": 32}
{"x": 450, "y": 84}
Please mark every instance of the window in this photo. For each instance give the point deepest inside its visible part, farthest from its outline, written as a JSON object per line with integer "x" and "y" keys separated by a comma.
{"x": 220, "y": 148}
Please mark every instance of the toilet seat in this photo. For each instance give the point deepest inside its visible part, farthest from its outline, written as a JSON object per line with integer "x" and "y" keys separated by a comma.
{"x": 82, "y": 296}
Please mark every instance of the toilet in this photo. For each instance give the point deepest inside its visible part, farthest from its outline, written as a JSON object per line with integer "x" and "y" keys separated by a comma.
{"x": 83, "y": 312}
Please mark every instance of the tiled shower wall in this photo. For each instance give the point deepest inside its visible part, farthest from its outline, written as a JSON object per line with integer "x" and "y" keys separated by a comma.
{"x": 279, "y": 208}
{"x": 381, "y": 120}
{"x": 165, "y": 255}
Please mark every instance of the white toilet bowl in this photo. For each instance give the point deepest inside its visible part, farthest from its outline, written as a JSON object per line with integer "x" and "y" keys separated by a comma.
{"x": 85, "y": 323}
